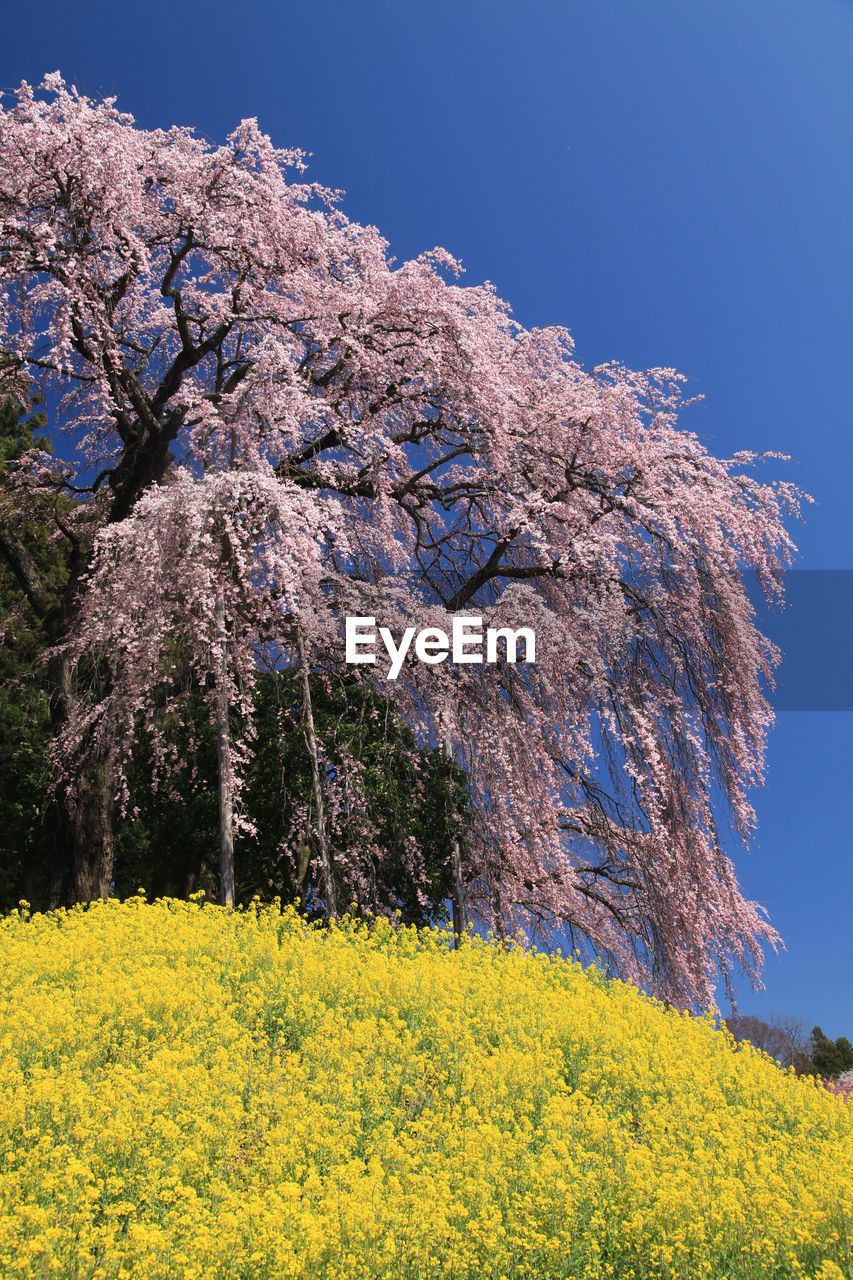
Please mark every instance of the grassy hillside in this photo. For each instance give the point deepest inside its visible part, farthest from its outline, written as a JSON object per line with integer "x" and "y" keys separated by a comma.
{"x": 186, "y": 1092}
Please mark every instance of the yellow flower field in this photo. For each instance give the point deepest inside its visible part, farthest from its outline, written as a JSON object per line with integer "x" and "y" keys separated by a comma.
{"x": 188, "y": 1092}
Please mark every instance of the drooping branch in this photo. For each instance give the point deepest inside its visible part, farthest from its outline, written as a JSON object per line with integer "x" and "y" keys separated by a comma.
{"x": 460, "y": 922}
{"x": 321, "y": 830}
{"x": 225, "y": 763}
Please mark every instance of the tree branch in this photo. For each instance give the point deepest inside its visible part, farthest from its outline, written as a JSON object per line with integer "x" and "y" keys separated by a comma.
{"x": 26, "y": 572}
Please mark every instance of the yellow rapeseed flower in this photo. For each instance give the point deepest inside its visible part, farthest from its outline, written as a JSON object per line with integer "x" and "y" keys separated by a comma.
{"x": 188, "y": 1092}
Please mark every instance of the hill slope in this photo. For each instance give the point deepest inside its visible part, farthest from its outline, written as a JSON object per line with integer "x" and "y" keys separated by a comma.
{"x": 186, "y": 1092}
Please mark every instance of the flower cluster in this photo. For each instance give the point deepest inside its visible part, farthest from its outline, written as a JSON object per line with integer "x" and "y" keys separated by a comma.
{"x": 188, "y": 1092}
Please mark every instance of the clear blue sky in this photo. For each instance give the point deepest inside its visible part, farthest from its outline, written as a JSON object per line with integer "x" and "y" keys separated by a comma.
{"x": 670, "y": 180}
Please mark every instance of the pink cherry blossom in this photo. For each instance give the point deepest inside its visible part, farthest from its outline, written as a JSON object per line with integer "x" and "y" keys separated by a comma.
{"x": 270, "y": 425}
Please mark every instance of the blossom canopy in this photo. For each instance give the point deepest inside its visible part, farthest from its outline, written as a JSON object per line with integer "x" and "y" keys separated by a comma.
{"x": 265, "y": 414}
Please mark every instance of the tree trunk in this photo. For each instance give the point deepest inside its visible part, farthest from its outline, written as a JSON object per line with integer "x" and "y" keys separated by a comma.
{"x": 83, "y": 847}
{"x": 223, "y": 751}
{"x": 91, "y": 810}
{"x": 457, "y": 887}
{"x": 327, "y": 879}
{"x": 79, "y": 858}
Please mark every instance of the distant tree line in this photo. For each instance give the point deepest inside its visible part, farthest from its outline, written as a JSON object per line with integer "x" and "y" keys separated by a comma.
{"x": 785, "y": 1039}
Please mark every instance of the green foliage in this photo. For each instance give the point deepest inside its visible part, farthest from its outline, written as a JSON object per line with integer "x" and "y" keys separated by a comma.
{"x": 171, "y": 848}
{"x": 21, "y": 429}
{"x": 830, "y": 1057}
{"x": 25, "y": 732}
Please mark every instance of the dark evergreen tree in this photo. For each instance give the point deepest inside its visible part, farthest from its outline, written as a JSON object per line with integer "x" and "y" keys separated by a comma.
{"x": 830, "y": 1057}
{"x": 404, "y": 794}
{"x": 27, "y": 813}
